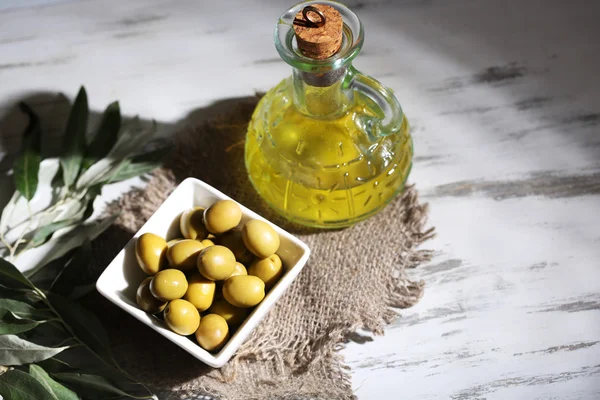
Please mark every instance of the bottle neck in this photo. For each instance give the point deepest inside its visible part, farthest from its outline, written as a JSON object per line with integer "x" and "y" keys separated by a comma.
{"x": 322, "y": 96}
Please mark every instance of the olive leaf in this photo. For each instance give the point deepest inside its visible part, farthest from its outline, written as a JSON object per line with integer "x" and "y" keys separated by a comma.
{"x": 44, "y": 277}
{"x": 83, "y": 360}
{"x": 18, "y": 385}
{"x": 58, "y": 246}
{"x": 8, "y": 211}
{"x": 40, "y": 226}
{"x": 10, "y": 324}
{"x": 129, "y": 141}
{"x": 43, "y": 233}
{"x": 12, "y": 277}
{"x": 16, "y": 217}
{"x": 71, "y": 208}
{"x": 51, "y": 334}
{"x": 23, "y": 310}
{"x": 75, "y": 274}
{"x": 17, "y": 351}
{"x": 97, "y": 173}
{"x": 16, "y": 294}
{"x": 106, "y": 135}
{"x": 50, "y": 231}
{"x": 55, "y": 365}
{"x": 27, "y": 164}
{"x": 74, "y": 141}
{"x": 94, "y": 386}
{"x": 140, "y": 165}
{"x": 85, "y": 326}
{"x": 58, "y": 391}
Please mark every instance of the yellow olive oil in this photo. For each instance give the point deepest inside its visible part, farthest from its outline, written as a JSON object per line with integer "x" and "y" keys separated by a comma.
{"x": 324, "y": 172}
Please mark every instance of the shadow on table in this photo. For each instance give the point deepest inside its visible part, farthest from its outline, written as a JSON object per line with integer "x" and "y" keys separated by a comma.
{"x": 52, "y": 108}
{"x": 210, "y": 147}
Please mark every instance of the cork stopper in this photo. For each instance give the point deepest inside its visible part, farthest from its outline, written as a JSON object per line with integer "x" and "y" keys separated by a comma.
{"x": 318, "y": 31}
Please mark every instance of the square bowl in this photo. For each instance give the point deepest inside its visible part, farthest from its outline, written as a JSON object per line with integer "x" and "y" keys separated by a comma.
{"x": 120, "y": 280}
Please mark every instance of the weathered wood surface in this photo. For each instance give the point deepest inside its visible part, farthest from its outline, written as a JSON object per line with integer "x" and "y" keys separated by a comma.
{"x": 504, "y": 100}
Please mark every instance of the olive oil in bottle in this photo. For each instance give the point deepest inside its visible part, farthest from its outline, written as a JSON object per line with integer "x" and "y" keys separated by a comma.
{"x": 328, "y": 146}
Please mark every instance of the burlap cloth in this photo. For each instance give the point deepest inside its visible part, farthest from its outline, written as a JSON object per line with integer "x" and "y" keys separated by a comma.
{"x": 353, "y": 279}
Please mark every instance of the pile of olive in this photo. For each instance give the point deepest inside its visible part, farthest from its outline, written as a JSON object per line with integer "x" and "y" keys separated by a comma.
{"x": 200, "y": 282}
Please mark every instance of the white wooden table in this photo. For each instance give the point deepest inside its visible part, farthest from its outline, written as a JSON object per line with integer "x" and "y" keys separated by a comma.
{"x": 504, "y": 98}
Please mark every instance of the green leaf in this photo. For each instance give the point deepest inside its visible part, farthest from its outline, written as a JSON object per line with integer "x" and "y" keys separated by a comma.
{"x": 51, "y": 334}
{"x": 9, "y": 324}
{"x": 72, "y": 208}
{"x": 17, "y": 351}
{"x": 27, "y": 164}
{"x": 75, "y": 273}
{"x": 94, "y": 385}
{"x": 58, "y": 391}
{"x": 83, "y": 360}
{"x": 7, "y": 212}
{"x": 58, "y": 246}
{"x": 153, "y": 156}
{"x": 140, "y": 164}
{"x": 74, "y": 141}
{"x": 44, "y": 277}
{"x": 97, "y": 173}
{"x": 54, "y": 365}
{"x": 23, "y": 310}
{"x": 85, "y": 325}
{"x": 11, "y": 277}
{"x": 130, "y": 170}
{"x": 133, "y": 134}
{"x": 18, "y": 294}
{"x": 43, "y": 234}
{"x": 116, "y": 161}
{"x": 106, "y": 135}
{"x": 18, "y": 385}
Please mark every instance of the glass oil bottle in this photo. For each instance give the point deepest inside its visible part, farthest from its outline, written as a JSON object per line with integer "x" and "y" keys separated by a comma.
{"x": 328, "y": 146}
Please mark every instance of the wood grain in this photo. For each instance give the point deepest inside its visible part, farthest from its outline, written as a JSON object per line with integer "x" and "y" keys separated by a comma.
{"x": 504, "y": 103}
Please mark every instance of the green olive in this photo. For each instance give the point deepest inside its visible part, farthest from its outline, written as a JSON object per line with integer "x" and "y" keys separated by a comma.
{"x": 173, "y": 241}
{"x": 169, "y": 284}
{"x": 207, "y": 243}
{"x": 244, "y": 290}
{"x": 238, "y": 270}
{"x": 232, "y": 314}
{"x": 183, "y": 255}
{"x": 150, "y": 251}
{"x": 182, "y": 317}
{"x": 222, "y": 216}
{"x": 269, "y": 270}
{"x": 216, "y": 263}
{"x": 146, "y": 301}
{"x": 260, "y": 238}
{"x": 191, "y": 224}
{"x": 212, "y": 333}
{"x": 200, "y": 292}
{"x": 233, "y": 241}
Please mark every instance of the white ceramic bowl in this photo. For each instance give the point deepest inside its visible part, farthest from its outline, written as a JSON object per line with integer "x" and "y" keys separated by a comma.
{"x": 120, "y": 280}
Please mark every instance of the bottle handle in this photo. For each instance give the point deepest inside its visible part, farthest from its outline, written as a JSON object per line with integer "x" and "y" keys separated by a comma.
{"x": 385, "y": 100}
